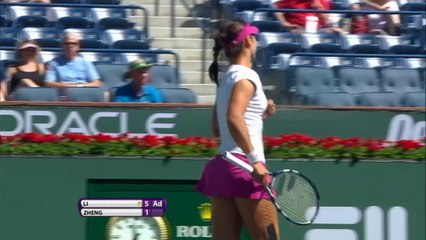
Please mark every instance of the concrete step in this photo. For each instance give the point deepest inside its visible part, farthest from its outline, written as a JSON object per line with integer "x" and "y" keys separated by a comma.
{"x": 181, "y": 43}
{"x": 164, "y": 32}
{"x": 194, "y": 65}
{"x": 193, "y": 77}
{"x": 206, "y": 99}
{"x": 163, "y": 21}
{"x": 187, "y": 55}
{"x": 201, "y": 89}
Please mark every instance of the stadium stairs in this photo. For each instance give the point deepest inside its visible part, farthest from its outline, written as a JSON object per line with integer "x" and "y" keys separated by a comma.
{"x": 187, "y": 43}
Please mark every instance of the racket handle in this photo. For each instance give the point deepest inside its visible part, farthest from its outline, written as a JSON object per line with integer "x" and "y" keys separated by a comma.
{"x": 233, "y": 159}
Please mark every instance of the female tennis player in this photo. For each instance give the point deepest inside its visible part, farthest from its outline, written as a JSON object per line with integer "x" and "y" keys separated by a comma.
{"x": 239, "y": 197}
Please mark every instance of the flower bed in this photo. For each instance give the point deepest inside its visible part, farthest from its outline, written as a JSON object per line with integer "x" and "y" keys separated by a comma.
{"x": 283, "y": 146}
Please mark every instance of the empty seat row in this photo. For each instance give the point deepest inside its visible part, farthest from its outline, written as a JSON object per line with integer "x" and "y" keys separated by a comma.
{"x": 304, "y": 81}
{"x": 92, "y": 94}
{"x": 272, "y": 44}
{"x": 385, "y": 99}
{"x": 91, "y": 38}
{"x": 288, "y": 60}
{"x": 65, "y": 17}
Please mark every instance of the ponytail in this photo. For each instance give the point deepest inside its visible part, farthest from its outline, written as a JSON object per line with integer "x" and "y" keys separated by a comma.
{"x": 214, "y": 67}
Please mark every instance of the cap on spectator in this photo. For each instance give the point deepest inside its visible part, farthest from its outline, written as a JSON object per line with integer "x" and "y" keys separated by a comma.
{"x": 71, "y": 37}
{"x": 28, "y": 45}
{"x": 135, "y": 65}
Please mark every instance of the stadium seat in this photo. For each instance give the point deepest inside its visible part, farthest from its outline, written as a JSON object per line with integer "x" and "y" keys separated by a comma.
{"x": 67, "y": 1}
{"x": 333, "y": 99}
{"x": 108, "y": 2}
{"x": 126, "y": 57}
{"x": 302, "y": 61}
{"x": 34, "y": 94}
{"x": 272, "y": 44}
{"x": 90, "y": 37}
{"x": 360, "y": 43}
{"x": 400, "y": 80}
{"x": 4, "y": 19}
{"x": 414, "y": 99}
{"x": 178, "y": 95}
{"x": 84, "y": 94}
{"x": 309, "y": 80}
{"x": 47, "y": 56}
{"x": 404, "y": 44}
{"x": 235, "y": 6}
{"x": 125, "y": 39}
{"x": 110, "y": 18}
{"x": 4, "y": 64}
{"x": 111, "y": 74}
{"x": 7, "y": 54}
{"x": 164, "y": 76}
{"x": 336, "y": 62}
{"x": 44, "y": 36}
{"x": 375, "y": 62}
{"x": 8, "y": 37}
{"x": 28, "y": 16}
{"x": 101, "y": 57}
{"x": 384, "y": 99}
{"x": 358, "y": 80}
{"x": 70, "y": 17}
{"x": 419, "y": 63}
{"x": 323, "y": 42}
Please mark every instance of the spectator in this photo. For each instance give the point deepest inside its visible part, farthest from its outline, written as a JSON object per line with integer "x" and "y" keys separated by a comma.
{"x": 381, "y": 23}
{"x": 138, "y": 90}
{"x": 27, "y": 72}
{"x": 296, "y": 21}
{"x": 71, "y": 69}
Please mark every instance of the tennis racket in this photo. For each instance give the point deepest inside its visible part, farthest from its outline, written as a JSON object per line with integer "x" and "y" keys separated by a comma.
{"x": 293, "y": 194}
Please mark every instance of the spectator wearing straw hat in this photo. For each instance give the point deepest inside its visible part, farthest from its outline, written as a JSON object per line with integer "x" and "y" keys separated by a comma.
{"x": 139, "y": 89}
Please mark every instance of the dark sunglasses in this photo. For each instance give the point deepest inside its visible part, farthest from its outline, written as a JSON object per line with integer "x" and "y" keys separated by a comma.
{"x": 70, "y": 43}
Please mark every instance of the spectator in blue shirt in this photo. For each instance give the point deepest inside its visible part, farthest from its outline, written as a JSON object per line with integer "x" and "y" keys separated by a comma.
{"x": 71, "y": 69}
{"x": 139, "y": 89}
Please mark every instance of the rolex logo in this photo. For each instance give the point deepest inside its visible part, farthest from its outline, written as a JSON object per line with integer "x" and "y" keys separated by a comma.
{"x": 205, "y": 210}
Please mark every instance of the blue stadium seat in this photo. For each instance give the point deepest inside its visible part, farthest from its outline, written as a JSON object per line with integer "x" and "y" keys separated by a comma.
{"x": 360, "y": 43}
{"x": 84, "y": 94}
{"x": 100, "y": 57}
{"x": 67, "y": 1}
{"x": 333, "y": 99}
{"x": 164, "y": 76}
{"x": 178, "y": 95}
{"x": 108, "y": 2}
{"x": 336, "y": 62}
{"x": 47, "y": 56}
{"x": 90, "y": 37}
{"x": 414, "y": 99}
{"x": 111, "y": 74}
{"x": 323, "y": 42}
{"x": 272, "y": 44}
{"x": 358, "y": 80}
{"x": 384, "y": 99}
{"x": 375, "y": 62}
{"x": 110, "y": 18}
{"x": 404, "y": 44}
{"x": 419, "y": 63}
{"x": 125, "y": 39}
{"x": 28, "y": 16}
{"x": 126, "y": 57}
{"x": 8, "y": 36}
{"x": 70, "y": 17}
{"x": 4, "y": 19}
{"x": 35, "y": 94}
{"x": 400, "y": 80}
{"x": 309, "y": 80}
{"x": 44, "y": 36}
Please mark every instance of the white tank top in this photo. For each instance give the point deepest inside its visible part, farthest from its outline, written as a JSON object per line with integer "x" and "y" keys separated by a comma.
{"x": 253, "y": 115}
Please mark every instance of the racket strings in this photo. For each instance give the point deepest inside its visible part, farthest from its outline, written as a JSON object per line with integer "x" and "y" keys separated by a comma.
{"x": 295, "y": 196}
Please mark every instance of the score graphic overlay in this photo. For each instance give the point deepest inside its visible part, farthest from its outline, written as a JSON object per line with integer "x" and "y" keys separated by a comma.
{"x": 147, "y": 207}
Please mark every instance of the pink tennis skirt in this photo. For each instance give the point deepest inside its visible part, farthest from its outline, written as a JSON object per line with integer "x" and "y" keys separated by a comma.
{"x": 223, "y": 179}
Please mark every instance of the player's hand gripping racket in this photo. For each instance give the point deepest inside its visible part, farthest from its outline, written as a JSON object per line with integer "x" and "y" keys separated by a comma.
{"x": 294, "y": 195}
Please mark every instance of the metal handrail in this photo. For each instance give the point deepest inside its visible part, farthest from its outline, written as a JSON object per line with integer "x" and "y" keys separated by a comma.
{"x": 48, "y": 5}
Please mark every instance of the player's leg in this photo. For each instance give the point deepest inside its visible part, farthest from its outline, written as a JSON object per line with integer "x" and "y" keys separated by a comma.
{"x": 259, "y": 217}
{"x": 226, "y": 220}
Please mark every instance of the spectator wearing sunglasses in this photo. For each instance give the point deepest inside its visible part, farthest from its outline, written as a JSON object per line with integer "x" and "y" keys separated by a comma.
{"x": 71, "y": 69}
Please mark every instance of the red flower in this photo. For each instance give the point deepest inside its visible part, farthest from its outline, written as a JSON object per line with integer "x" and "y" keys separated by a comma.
{"x": 408, "y": 144}
{"x": 152, "y": 140}
{"x": 169, "y": 140}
